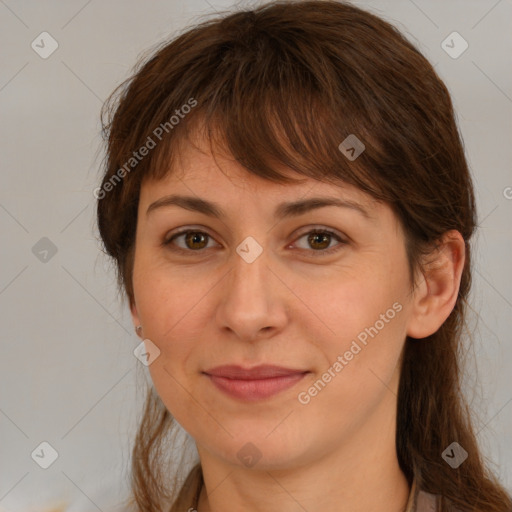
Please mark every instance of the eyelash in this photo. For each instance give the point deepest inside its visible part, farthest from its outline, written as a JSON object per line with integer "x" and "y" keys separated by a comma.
{"x": 315, "y": 253}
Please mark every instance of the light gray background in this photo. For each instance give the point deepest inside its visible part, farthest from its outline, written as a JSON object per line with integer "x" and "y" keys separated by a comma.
{"x": 68, "y": 373}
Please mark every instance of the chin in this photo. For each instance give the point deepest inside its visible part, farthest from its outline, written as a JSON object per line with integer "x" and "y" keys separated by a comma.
{"x": 265, "y": 452}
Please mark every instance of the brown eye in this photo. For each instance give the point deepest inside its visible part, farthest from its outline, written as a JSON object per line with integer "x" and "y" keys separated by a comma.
{"x": 189, "y": 241}
{"x": 196, "y": 240}
{"x": 319, "y": 241}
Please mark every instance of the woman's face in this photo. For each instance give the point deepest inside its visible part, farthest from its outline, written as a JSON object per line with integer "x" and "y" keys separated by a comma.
{"x": 253, "y": 286}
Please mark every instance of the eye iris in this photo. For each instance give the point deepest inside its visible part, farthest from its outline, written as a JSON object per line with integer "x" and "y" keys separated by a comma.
{"x": 195, "y": 237}
{"x": 321, "y": 238}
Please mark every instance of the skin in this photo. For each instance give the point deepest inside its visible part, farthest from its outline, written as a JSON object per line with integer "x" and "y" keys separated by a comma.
{"x": 209, "y": 307}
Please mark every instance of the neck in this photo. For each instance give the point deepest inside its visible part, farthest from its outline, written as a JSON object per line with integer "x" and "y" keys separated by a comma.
{"x": 361, "y": 475}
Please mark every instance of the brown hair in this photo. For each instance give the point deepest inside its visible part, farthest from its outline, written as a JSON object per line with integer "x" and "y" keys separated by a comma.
{"x": 284, "y": 85}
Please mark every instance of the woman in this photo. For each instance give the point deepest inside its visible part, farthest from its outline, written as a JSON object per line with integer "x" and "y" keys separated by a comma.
{"x": 288, "y": 203}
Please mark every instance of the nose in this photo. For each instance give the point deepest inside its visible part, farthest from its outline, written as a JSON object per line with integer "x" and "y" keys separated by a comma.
{"x": 252, "y": 300}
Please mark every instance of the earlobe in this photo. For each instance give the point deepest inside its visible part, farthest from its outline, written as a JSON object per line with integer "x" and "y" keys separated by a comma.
{"x": 135, "y": 317}
{"x": 436, "y": 293}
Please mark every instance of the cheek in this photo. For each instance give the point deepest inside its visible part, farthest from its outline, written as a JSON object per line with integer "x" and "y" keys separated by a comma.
{"x": 174, "y": 307}
{"x": 366, "y": 313}
{"x": 172, "y": 311}
{"x": 167, "y": 297}
{"x": 352, "y": 299}
{"x": 359, "y": 378}
{"x": 367, "y": 341}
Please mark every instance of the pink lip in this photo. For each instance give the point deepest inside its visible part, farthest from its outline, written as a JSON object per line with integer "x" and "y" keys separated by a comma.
{"x": 255, "y": 383}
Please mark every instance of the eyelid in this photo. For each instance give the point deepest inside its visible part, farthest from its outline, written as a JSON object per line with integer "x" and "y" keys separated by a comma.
{"x": 319, "y": 228}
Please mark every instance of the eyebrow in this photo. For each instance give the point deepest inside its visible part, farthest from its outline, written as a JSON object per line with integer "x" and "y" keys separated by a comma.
{"x": 283, "y": 210}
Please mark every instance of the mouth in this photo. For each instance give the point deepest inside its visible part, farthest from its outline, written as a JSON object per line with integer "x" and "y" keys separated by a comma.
{"x": 252, "y": 384}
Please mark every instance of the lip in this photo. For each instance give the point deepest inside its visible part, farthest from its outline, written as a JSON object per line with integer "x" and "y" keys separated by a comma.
{"x": 262, "y": 371}
{"x": 257, "y": 383}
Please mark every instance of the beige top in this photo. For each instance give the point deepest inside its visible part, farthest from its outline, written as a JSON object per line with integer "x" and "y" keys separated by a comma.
{"x": 421, "y": 501}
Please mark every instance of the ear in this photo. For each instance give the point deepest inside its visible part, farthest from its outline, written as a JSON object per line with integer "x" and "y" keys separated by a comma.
{"x": 438, "y": 286}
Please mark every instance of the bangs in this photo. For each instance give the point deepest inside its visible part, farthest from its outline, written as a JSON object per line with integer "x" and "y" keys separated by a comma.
{"x": 271, "y": 114}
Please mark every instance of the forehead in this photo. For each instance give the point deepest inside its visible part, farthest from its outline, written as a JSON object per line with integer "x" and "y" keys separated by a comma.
{"x": 212, "y": 172}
